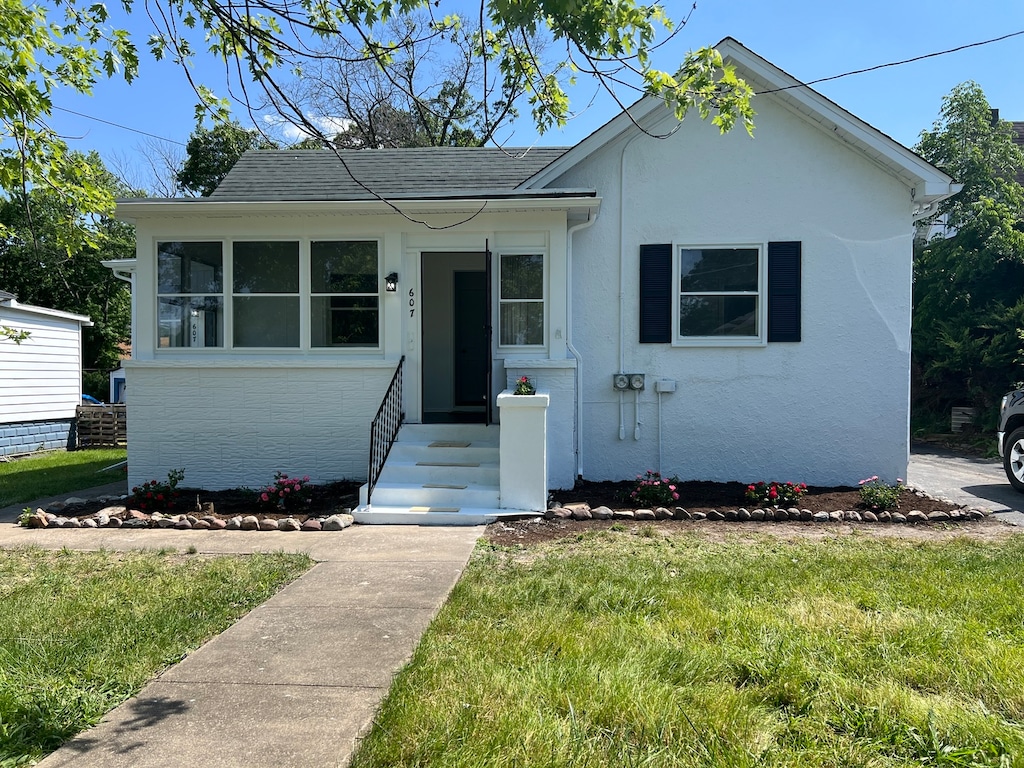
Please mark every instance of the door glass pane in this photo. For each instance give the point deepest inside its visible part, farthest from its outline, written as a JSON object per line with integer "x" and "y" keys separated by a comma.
{"x": 344, "y": 267}
{"x": 266, "y": 321}
{"x": 718, "y": 269}
{"x": 265, "y": 267}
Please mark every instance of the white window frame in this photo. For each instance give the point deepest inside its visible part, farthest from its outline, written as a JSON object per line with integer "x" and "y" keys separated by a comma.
{"x": 223, "y": 295}
{"x": 761, "y": 339}
{"x": 300, "y": 294}
{"x": 305, "y": 294}
{"x": 309, "y": 295}
{"x": 545, "y": 304}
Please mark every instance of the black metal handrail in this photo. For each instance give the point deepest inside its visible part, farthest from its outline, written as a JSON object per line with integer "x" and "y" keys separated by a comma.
{"x": 385, "y": 428}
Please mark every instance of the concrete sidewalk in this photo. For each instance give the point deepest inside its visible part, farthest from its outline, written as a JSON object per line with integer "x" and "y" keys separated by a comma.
{"x": 10, "y": 513}
{"x": 297, "y": 680}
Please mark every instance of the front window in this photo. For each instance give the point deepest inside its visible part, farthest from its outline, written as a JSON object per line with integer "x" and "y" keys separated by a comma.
{"x": 265, "y": 294}
{"x": 719, "y": 294}
{"x": 190, "y": 294}
{"x": 345, "y": 300}
{"x": 521, "y": 310}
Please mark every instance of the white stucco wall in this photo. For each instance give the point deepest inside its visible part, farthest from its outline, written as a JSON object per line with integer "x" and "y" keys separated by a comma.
{"x": 235, "y": 424}
{"x": 831, "y": 409}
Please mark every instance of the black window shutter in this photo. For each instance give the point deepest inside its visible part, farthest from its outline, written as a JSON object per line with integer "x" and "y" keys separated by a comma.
{"x": 784, "y": 291}
{"x": 656, "y": 294}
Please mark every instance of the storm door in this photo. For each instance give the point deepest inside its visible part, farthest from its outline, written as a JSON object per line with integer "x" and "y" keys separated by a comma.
{"x": 456, "y": 337}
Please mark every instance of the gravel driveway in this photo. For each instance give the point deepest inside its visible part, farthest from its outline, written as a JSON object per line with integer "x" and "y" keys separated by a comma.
{"x": 965, "y": 480}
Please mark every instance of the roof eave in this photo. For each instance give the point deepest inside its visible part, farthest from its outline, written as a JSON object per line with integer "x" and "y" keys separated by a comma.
{"x": 31, "y": 309}
{"x": 565, "y": 199}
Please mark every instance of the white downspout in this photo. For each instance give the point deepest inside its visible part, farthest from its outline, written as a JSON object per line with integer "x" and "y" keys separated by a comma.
{"x": 129, "y": 277}
{"x": 622, "y": 286}
{"x": 578, "y": 431}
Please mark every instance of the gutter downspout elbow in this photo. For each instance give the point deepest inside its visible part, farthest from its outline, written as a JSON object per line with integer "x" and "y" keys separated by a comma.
{"x": 578, "y": 426}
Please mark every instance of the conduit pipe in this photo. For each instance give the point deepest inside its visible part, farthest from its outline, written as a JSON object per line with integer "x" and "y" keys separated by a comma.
{"x": 570, "y": 324}
{"x": 622, "y": 290}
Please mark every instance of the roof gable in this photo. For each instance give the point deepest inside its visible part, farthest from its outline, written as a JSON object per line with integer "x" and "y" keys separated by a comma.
{"x": 928, "y": 183}
{"x": 395, "y": 174}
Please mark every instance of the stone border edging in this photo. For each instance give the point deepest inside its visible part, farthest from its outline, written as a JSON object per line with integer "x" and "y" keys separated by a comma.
{"x": 583, "y": 511}
{"x": 119, "y": 516}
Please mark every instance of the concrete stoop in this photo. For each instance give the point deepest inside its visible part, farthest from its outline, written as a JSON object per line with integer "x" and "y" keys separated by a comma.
{"x": 438, "y": 474}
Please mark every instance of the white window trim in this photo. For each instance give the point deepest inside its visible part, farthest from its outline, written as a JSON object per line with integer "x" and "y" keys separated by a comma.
{"x": 224, "y": 301}
{"x": 307, "y": 264}
{"x": 543, "y": 253}
{"x": 761, "y": 340}
{"x": 301, "y": 294}
{"x": 305, "y": 294}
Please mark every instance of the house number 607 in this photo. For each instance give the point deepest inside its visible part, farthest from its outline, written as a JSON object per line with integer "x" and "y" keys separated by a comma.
{"x": 412, "y": 302}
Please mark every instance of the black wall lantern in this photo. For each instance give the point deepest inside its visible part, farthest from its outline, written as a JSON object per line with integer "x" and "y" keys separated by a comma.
{"x": 391, "y": 282}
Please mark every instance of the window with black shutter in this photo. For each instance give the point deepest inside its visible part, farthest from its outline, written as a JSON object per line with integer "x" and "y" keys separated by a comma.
{"x": 718, "y": 294}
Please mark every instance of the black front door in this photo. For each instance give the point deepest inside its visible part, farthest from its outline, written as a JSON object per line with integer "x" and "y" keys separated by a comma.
{"x": 469, "y": 318}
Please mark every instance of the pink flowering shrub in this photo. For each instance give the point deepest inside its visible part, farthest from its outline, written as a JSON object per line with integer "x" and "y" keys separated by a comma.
{"x": 654, "y": 490}
{"x": 285, "y": 493}
{"x": 775, "y": 494}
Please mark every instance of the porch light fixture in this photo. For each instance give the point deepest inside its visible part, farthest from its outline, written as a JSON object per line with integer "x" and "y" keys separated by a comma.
{"x": 391, "y": 282}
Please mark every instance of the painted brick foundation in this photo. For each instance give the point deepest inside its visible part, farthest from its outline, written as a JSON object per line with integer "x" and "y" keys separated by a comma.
{"x": 29, "y": 436}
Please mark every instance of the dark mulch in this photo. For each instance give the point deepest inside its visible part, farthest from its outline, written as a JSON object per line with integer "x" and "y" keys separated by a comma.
{"x": 702, "y": 496}
{"x": 325, "y": 500}
{"x": 694, "y": 496}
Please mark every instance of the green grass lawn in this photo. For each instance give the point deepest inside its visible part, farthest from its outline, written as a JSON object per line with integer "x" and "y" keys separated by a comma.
{"x": 616, "y": 649}
{"x": 81, "y": 632}
{"x": 59, "y": 472}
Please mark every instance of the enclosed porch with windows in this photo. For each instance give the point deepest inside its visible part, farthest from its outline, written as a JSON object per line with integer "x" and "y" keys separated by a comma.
{"x": 269, "y": 340}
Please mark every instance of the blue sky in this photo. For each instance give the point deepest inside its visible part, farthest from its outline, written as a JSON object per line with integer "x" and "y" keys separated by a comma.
{"x": 807, "y": 38}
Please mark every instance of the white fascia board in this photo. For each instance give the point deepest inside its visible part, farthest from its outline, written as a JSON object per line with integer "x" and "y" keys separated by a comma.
{"x": 29, "y": 309}
{"x": 576, "y": 202}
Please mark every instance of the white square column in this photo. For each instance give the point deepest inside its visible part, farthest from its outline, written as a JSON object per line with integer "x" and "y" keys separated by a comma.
{"x": 523, "y": 454}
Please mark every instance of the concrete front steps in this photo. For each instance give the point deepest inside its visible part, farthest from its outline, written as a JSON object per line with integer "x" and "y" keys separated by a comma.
{"x": 438, "y": 474}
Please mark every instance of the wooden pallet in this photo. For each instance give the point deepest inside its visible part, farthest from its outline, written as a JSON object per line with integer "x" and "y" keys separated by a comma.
{"x": 101, "y": 426}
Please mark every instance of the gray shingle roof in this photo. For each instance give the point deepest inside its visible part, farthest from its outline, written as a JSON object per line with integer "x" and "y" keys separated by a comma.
{"x": 419, "y": 173}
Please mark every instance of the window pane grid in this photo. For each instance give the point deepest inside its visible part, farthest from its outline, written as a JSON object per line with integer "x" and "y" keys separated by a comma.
{"x": 521, "y": 300}
{"x": 719, "y": 292}
{"x": 344, "y": 293}
{"x": 190, "y": 300}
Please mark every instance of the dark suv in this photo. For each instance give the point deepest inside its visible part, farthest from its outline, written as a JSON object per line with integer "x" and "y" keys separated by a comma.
{"x": 1011, "y": 437}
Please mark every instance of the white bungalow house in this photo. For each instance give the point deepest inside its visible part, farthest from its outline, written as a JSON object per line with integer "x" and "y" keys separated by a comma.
{"x": 40, "y": 378}
{"x": 713, "y": 307}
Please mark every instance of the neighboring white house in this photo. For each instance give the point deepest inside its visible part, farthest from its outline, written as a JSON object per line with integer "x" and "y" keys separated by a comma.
{"x": 40, "y": 378}
{"x": 760, "y": 287}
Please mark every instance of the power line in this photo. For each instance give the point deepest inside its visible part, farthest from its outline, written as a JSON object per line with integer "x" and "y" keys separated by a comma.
{"x": 122, "y": 127}
{"x": 896, "y": 63}
{"x": 773, "y": 90}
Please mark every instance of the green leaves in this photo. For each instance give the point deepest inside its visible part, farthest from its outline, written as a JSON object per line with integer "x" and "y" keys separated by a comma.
{"x": 36, "y": 57}
{"x": 969, "y": 280}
